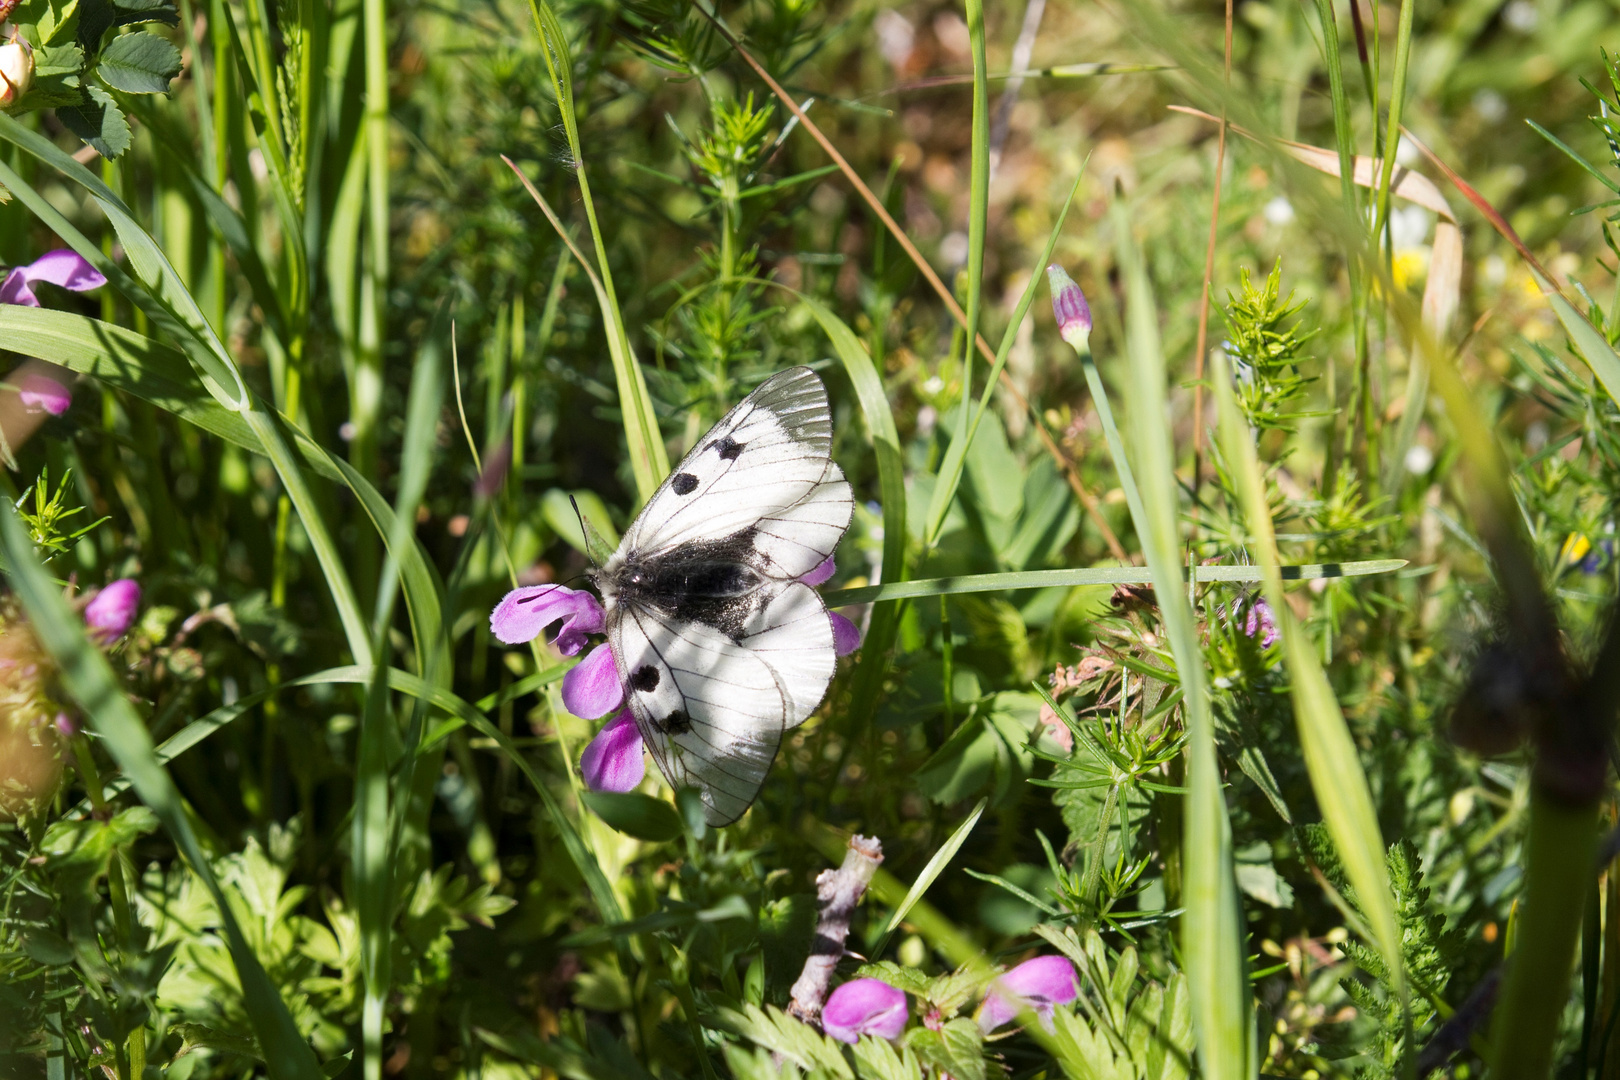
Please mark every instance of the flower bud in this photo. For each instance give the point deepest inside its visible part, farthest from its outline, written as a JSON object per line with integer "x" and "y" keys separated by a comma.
{"x": 112, "y": 610}
{"x": 16, "y": 71}
{"x": 1070, "y": 307}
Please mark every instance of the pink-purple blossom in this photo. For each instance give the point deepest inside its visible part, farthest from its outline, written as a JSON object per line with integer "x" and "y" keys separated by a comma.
{"x": 864, "y": 1007}
{"x": 846, "y": 635}
{"x": 112, "y": 610}
{"x": 1038, "y": 984}
{"x": 1259, "y": 622}
{"x": 591, "y": 688}
{"x": 594, "y": 687}
{"x": 39, "y": 392}
{"x": 1069, "y": 307}
{"x": 62, "y": 267}
{"x": 614, "y": 760}
{"x": 523, "y": 615}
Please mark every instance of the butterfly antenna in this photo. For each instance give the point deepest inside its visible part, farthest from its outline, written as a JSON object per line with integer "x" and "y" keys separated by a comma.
{"x": 594, "y": 544}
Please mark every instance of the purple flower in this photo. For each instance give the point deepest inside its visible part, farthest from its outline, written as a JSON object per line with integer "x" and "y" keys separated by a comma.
{"x": 60, "y": 267}
{"x": 614, "y": 761}
{"x": 39, "y": 392}
{"x": 864, "y": 1007}
{"x": 821, "y": 574}
{"x": 524, "y": 613}
{"x": 1069, "y": 306}
{"x": 591, "y": 688}
{"x": 112, "y": 610}
{"x": 1038, "y": 984}
{"x": 846, "y": 635}
{"x": 1261, "y": 622}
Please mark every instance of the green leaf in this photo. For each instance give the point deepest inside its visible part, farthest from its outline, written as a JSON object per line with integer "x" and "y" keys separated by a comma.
{"x": 139, "y": 63}
{"x": 98, "y": 121}
{"x": 635, "y": 814}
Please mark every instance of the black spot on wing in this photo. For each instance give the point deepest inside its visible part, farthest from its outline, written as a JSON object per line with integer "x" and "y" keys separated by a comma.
{"x": 729, "y": 448}
{"x": 684, "y": 483}
{"x": 645, "y": 679}
{"x": 676, "y": 723}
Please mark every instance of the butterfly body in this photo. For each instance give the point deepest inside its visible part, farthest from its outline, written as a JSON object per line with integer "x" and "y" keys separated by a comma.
{"x": 719, "y": 645}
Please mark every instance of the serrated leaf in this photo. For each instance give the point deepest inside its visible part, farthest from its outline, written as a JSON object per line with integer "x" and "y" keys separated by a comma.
{"x": 96, "y": 17}
{"x": 98, "y": 121}
{"x": 908, "y": 979}
{"x": 139, "y": 63}
{"x": 52, "y": 60}
{"x": 131, "y": 12}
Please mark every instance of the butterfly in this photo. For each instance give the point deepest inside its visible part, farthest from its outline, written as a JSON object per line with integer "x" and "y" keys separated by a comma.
{"x": 719, "y": 644}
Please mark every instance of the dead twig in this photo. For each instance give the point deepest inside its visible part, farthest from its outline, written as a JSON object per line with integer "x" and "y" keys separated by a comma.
{"x": 837, "y": 894}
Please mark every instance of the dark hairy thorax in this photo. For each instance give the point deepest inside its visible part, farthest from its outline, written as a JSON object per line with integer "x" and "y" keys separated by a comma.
{"x": 713, "y": 582}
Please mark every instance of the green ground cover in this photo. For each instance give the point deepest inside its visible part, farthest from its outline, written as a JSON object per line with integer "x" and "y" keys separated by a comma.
{"x": 391, "y": 289}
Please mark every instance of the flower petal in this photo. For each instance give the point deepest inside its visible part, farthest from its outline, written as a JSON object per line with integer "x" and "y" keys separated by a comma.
{"x": 524, "y": 613}
{"x": 591, "y": 688}
{"x": 112, "y": 610}
{"x": 1039, "y": 984}
{"x": 613, "y": 761}
{"x": 821, "y": 573}
{"x": 846, "y": 635}
{"x": 41, "y": 392}
{"x": 61, "y": 267}
{"x": 864, "y": 1007}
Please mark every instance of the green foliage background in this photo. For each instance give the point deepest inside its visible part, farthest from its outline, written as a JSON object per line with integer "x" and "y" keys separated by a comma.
{"x": 347, "y": 375}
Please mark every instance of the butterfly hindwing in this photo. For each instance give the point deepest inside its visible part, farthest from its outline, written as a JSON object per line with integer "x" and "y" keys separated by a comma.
{"x": 710, "y": 709}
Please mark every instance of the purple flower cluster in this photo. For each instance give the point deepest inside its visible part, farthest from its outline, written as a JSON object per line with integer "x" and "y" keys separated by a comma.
{"x": 873, "y": 1007}
{"x": 593, "y": 687}
{"x": 1258, "y": 620}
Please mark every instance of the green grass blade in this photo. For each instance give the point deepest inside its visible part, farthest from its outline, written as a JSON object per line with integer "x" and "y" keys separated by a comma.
{"x": 158, "y": 374}
{"x": 372, "y": 852}
{"x": 1212, "y": 928}
{"x": 1101, "y": 575}
{"x": 1595, "y": 348}
{"x": 1337, "y": 777}
{"x": 978, "y": 222}
{"x": 1559, "y": 849}
{"x": 90, "y": 681}
{"x": 950, "y": 470}
{"x": 867, "y": 682}
{"x": 164, "y": 299}
{"x": 648, "y": 459}
{"x": 936, "y": 866}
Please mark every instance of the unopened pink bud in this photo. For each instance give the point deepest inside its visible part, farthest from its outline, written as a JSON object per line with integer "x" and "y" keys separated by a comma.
{"x": 112, "y": 610}
{"x": 1069, "y": 306}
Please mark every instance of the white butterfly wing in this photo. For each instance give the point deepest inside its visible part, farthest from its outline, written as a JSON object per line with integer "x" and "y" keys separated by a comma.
{"x": 765, "y": 465}
{"x": 712, "y": 710}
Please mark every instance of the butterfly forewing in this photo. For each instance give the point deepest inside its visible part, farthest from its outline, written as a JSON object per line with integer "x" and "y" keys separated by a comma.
{"x": 762, "y": 460}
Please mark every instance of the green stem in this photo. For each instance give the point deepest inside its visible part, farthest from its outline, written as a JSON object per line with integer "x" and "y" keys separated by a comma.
{"x": 1558, "y": 867}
